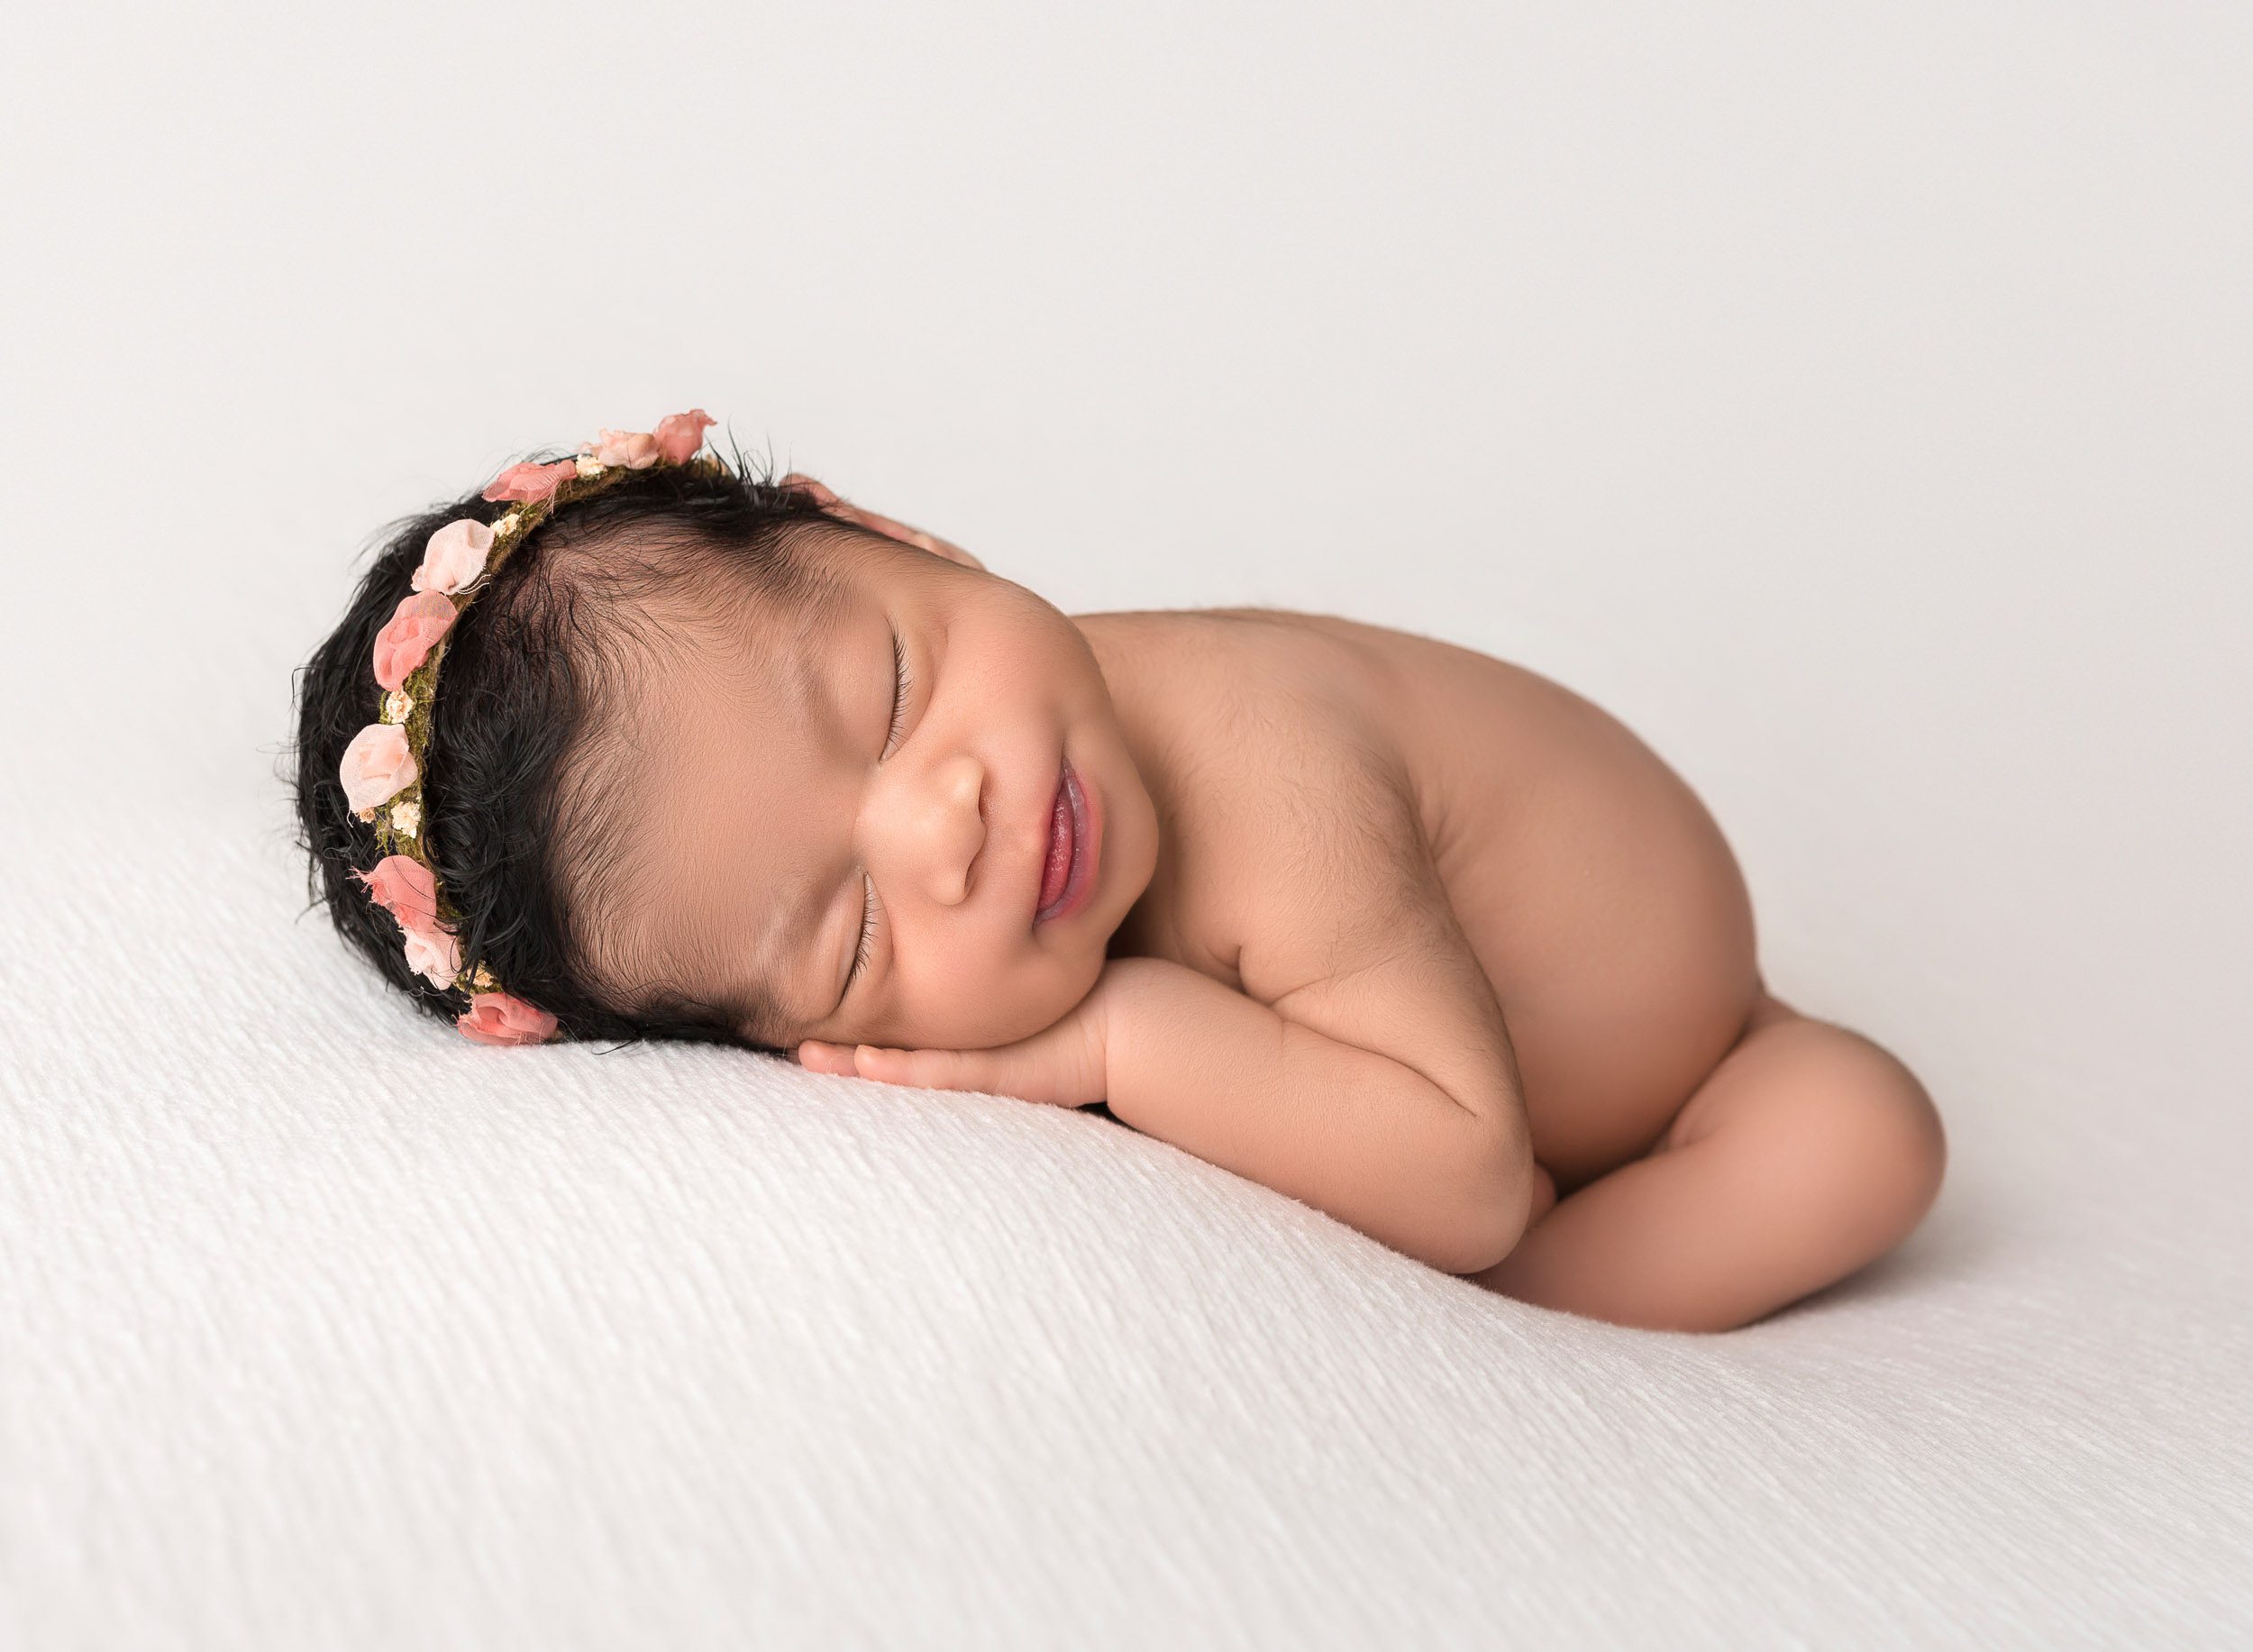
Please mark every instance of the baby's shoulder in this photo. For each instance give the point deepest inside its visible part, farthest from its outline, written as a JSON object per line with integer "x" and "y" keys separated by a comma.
{"x": 1289, "y": 721}
{"x": 1303, "y": 842}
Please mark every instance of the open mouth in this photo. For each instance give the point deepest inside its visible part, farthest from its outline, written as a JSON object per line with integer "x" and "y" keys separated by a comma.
{"x": 1074, "y": 842}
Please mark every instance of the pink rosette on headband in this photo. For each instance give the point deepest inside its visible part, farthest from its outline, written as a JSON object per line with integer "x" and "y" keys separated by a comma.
{"x": 680, "y": 434}
{"x": 405, "y": 888}
{"x": 415, "y": 628}
{"x": 502, "y": 1017}
{"x": 531, "y": 481}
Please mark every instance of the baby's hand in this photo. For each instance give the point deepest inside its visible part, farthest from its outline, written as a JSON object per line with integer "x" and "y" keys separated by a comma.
{"x": 1062, "y": 1067}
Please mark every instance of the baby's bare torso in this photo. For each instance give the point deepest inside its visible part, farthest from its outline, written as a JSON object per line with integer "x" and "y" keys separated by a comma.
{"x": 1313, "y": 772}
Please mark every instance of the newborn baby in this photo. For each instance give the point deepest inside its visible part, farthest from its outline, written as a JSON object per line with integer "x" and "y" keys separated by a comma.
{"x": 1405, "y": 932}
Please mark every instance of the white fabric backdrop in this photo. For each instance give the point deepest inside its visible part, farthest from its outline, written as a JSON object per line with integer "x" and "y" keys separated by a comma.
{"x": 1856, "y": 405}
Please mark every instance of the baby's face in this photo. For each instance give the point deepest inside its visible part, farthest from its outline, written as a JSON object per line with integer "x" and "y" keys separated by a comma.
{"x": 782, "y": 800}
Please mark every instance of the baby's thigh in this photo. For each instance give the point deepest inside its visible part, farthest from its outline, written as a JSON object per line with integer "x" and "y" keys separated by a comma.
{"x": 1617, "y": 932}
{"x": 1614, "y": 1043}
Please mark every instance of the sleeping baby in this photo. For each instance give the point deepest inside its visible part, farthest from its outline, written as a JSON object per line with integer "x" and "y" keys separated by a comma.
{"x": 1405, "y": 932}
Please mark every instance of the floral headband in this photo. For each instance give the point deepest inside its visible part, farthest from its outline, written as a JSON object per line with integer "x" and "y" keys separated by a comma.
{"x": 382, "y": 766}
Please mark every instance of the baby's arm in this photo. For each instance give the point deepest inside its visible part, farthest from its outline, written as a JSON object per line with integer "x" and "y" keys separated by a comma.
{"x": 1428, "y": 1153}
{"x": 1385, "y": 1092}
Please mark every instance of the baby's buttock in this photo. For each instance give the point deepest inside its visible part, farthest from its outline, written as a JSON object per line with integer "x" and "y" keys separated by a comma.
{"x": 1600, "y": 897}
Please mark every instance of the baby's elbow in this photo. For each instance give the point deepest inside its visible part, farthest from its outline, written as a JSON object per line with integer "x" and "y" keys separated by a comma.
{"x": 1499, "y": 1208}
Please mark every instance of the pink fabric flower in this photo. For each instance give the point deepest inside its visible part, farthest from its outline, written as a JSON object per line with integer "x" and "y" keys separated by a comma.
{"x": 531, "y": 481}
{"x": 376, "y": 765}
{"x": 416, "y": 626}
{"x": 502, "y": 1017}
{"x": 434, "y": 953}
{"x": 403, "y": 886}
{"x": 453, "y": 556}
{"x": 636, "y": 449}
{"x": 680, "y": 434}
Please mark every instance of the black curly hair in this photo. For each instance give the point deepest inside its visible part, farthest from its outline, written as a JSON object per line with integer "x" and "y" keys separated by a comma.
{"x": 526, "y": 670}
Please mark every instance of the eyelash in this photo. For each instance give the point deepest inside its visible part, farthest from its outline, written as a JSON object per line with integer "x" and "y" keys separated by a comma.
{"x": 902, "y": 684}
{"x": 861, "y": 952}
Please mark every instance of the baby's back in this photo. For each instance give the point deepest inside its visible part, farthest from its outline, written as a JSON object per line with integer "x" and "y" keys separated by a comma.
{"x": 1337, "y": 791}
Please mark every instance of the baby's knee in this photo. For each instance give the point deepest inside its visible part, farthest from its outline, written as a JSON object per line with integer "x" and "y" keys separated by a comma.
{"x": 1877, "y": 1126}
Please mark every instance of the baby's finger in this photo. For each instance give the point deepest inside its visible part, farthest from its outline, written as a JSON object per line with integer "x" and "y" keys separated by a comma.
{"x": 900, "y": 530}
{"x": 924, "y": 1069}
{"x": 815, "y": 1056}
{"x": 799, "y": 480}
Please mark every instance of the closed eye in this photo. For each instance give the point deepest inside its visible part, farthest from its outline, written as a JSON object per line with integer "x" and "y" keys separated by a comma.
{"x": 901, "y": 684}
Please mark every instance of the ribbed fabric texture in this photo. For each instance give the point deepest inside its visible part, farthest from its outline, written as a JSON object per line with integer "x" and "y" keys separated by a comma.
{"x": 322, "y": 1328}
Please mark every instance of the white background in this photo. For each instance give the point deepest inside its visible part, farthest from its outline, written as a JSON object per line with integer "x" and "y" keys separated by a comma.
{"x": 1858, "y": 401}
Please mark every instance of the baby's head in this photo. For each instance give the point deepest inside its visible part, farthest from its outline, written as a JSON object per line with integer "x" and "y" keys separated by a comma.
{"x": 666, "y": 780}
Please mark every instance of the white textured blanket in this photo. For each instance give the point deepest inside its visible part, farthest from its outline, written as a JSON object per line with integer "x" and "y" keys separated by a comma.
{"x": 326, "y": 1328}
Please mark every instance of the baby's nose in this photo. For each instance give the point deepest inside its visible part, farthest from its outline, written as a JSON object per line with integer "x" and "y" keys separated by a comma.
{"x": 943, "y": 828}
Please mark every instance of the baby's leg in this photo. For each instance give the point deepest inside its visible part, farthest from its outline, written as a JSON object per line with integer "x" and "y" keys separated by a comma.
{"x": 1806, "y": 1152}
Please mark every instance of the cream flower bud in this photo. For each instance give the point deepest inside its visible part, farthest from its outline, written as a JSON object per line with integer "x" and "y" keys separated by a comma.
{"x": 453, "y": 556}
{"x": 377, "y": 766}
{"x": 434, "y": 955}
{"x": 636, "y": 449}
